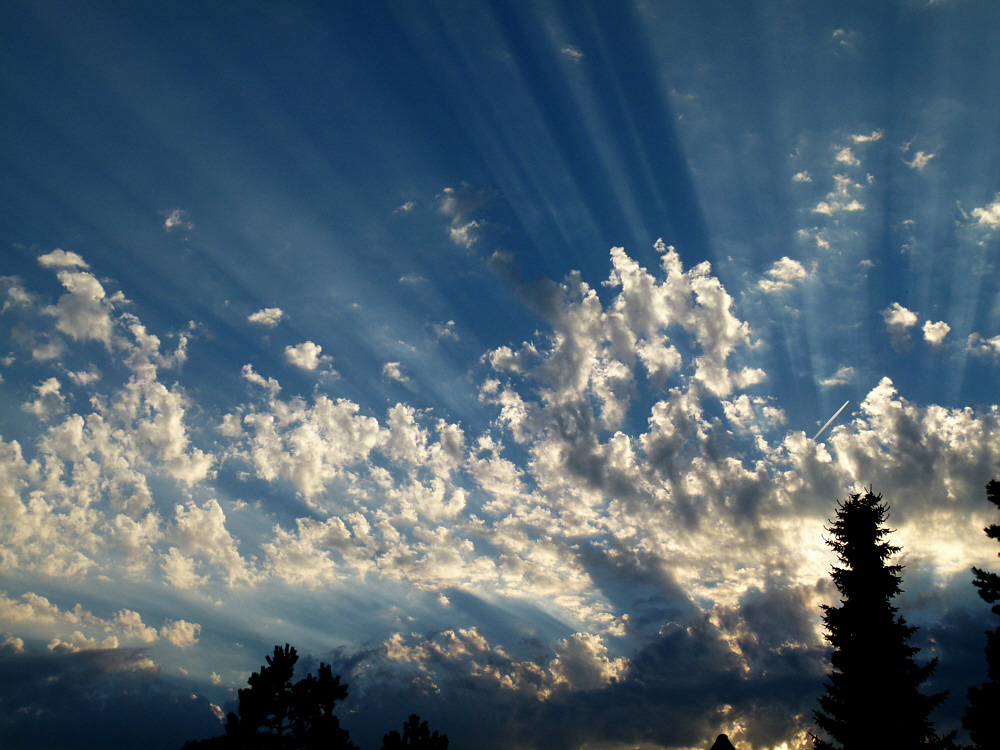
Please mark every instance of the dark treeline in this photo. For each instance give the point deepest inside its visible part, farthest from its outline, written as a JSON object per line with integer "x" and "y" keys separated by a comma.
{"x": 872, "y": 699}
{"x": 276, "y": 714}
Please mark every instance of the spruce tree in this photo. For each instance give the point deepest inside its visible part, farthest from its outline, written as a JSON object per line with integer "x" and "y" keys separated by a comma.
{"x": 984, "y": 702}
{"x": 872, "y": 698}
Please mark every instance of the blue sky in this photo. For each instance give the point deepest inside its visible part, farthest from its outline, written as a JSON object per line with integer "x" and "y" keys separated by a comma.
{"x": 479, "y": 348}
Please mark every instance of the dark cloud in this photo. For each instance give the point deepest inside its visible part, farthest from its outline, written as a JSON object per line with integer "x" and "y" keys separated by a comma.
{"x": 95, "y": 699}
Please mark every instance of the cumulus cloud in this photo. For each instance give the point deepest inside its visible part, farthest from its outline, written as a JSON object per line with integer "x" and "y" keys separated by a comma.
{"x": 920, "y": 160}
{"x": 84, "y": 312}
{"x": 801, "y": 177}
{"x": 393, "y": 371}
{"x": 989, "y": 216}
{"x": 445, "y": 331}
{"x": 181, "y": 634}
{"x": 62, "y": 259}
{"x": 269, "y": 317}
{"x": 898, "y": 322}
{"x": 306, "y": 355}
{"x": 984, "y": 347}
{"x": 177, "y": 219}
{"x": 934, "y": 333}
{"x": 846, "y": 156}
{"x": 841, "y": 198}
{"x": 48, "y": 402}
{"x": 782, "y": 275}
{"x": 459, "y": 205}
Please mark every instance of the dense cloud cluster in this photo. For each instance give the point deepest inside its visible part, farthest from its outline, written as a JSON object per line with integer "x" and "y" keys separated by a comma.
{"x": 636, "y": 485}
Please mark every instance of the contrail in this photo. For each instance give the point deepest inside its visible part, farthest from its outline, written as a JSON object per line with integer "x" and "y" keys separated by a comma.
{"x": 830, "y": 421}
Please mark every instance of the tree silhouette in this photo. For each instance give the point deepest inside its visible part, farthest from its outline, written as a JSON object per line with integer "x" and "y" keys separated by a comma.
{"x": 415, "y": 735}
{"x": 872, "y": 698}
{"x": 984, "y": 702}
{"x": 275, "y": 714}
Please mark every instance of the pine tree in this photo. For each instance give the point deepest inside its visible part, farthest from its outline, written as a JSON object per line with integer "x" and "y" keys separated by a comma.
{"x": 872, "y": 698}
{"x": 276, "y": 713}
{"x": 984, "y": 702}
{"x": 416, "y": 735}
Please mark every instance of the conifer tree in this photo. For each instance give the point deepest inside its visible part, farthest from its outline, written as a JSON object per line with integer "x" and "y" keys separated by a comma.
{"x": 981, "y": 715}
{"x": 276, "y": 713}
{"x": 872, "y": 698}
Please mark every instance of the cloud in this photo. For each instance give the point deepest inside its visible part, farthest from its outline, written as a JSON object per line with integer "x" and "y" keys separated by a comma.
{"x": 898, "y": 321}
{"x": 846, "y": 156}
{"x": 934, "y": 333}
{"x": 459, "y": 205}
{"x": 983, "y": 347}
{"x": 875, "y": 135}
{"x": 84, "y": 313}
{"x": 177, "y": 218}
{"x": 202, "y": 540}
{"x": 49, "y": 400}
{"x": 783, "y": 273}
{"x": 843, "y": 376}
{"x": 181, "y": 634}
{"x": 802, "y": 177}
{"x": 406, "y": 207}
{"x": 572, "y": 53}
{"x": 445, "y": 331}
{"x": 306, "y": 355}
{"x": 920, "y": 160}
{"x": 269, "y": 316}
{"x": 841, "y": 199}
{"x": 62, "y": 259}
{"x": 989, "y": 216}
{"x": 392, "y": 371}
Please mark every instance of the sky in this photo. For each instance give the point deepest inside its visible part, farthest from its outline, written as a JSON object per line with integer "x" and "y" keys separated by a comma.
{"x": 480, "y": 349}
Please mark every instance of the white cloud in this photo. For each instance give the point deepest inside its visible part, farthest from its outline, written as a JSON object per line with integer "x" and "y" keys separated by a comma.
{"x": 459, "y": 205}
{"x": 783, "y": 273}
{"x": 920, "y": 160}
{"x": 846, "y": 156}
{"x": 983, "y": 347}
{"x": 181, "y": 633}
{"x": 898, "y": 321}
{"x": 464, "y": 234}
{"x": 445, "y": 331}
{"x": 177, "y": 218}
{"x": 989, "y": 216}
{"x": 306, "y": 355}
{"x": 393, "y": 371}
{"x": 62, "y": 259}
{"x": 875, "y": 135}
{"x": 843, "y": 376}
{"x": 200, "y": 533}
{"x": 309, "y": 446}
{"x": 934, "y": 333}
{"x": 269, "y": 316}
{"x": 406, "y": 207}
{"x": 84, "y": 313}
{"x": 79, "y": 642}
{"x": 133, "y": 628}
{"x": 802, "y": 177}
{"x": 85, "y": 377}
{"x": 572, "y": 53}
{"x": 841, "y": 198}
{"x": 48, "y": 402}
{"x": 582, "y": 663}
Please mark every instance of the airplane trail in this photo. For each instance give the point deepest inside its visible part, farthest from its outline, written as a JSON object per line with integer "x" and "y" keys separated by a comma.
{"x": 830, "y": 420}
